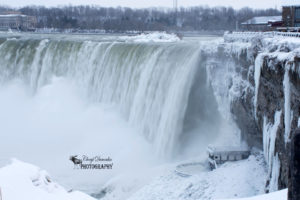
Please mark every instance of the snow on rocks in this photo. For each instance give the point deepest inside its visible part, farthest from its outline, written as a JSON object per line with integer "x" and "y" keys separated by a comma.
{"x": 151, "y": 37}
{"x": 21, "y": 180}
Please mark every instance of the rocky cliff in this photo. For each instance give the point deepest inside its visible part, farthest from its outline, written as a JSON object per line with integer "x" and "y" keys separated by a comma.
{"x": 262, "y": 77}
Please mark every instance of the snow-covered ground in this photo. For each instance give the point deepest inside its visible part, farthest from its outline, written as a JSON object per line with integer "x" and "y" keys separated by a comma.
{"x": 21, "y": 180}
{"x": 231, "y": 180}
{"x": 279, "y": 195}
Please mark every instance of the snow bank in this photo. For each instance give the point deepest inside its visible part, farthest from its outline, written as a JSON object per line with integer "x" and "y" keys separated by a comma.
{"x": 279, "y": 195}
{"x": 151, "y": 37}
{"x": 21, "y": 180}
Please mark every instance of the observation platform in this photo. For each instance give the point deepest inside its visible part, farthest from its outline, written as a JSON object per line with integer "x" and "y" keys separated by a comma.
{"x": 192, "y": 168}
{"x": 220, "y": 155}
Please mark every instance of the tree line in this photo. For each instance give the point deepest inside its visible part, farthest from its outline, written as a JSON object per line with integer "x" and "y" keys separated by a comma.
{"x": 153, "y": 19}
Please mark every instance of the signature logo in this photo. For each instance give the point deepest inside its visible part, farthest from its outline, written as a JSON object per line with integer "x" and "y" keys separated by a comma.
{"x": 95, "y": 162}
{"x": 77, "y": 162}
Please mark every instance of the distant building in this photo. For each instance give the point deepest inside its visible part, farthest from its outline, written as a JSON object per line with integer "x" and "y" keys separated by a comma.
{"x": 264, "y": 23}
{"x": 15, "y": 20}
{"x": 291, "y": 13}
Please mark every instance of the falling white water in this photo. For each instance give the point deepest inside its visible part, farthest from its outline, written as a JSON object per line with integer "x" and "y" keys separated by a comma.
{"x": 148, "y": 82}
{"x": 57, "y": 122}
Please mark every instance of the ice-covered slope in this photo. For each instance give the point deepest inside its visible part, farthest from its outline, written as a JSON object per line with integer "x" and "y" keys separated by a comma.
{"x": 21, "y": 180}
{"x": 279, "y": 195}
{"x": 231, "y": 180}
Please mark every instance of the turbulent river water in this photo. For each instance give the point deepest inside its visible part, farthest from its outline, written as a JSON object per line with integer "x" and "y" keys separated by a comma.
{"x": 137, "y": 102}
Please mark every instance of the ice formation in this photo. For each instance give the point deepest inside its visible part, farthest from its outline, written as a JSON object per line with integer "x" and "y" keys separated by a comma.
{"x": 257, "y": 71}
{"x": 152, "y": 37}
{"x": 269, "y": 140}
{"x": 287, "y": 106}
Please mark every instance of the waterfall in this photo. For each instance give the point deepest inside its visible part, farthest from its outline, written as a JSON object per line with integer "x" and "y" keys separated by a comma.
{"x": 150, "y": 83}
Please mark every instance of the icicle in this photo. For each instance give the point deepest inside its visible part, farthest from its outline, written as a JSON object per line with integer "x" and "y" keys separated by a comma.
{"x": 275, "y": 174}
{"x": 287, "y": 106}
{"x": 257, "y": 72}
{"x": 269, "y": 141}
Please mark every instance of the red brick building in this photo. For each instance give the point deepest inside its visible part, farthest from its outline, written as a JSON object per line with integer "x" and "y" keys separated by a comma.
{"x": 291, "y": 13}
{"x": 262, "y": 23}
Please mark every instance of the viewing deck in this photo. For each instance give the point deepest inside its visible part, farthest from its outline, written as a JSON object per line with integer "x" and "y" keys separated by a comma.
{"x": 220, "y": 155}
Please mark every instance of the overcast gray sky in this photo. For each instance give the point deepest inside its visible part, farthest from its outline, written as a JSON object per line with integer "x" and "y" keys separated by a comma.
{"x": 148, "y": 3}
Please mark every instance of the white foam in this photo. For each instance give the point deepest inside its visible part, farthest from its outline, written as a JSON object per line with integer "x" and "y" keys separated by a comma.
{"x": 57, "y": 122}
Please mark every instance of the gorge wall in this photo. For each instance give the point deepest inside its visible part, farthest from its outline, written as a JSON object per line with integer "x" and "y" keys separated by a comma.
{"x": 262, "y": 76}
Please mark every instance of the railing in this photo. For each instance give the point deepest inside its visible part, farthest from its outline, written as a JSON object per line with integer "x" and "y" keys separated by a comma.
{"x": 267, "y": 34}
{"x": 287, "y": 34}
{"x": 246, "y": 36}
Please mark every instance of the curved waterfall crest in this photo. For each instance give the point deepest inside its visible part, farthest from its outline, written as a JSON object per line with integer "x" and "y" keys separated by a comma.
{"x": 150, "y": 83}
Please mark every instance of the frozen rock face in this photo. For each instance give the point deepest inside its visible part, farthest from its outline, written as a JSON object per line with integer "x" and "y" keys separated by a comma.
{"x": 276, "y": 76}
{"x": 263, "y": 79}
{"x": 294, "y": 174}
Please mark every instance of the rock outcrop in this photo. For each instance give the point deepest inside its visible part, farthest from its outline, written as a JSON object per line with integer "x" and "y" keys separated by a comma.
{"x": 263, "y": 80}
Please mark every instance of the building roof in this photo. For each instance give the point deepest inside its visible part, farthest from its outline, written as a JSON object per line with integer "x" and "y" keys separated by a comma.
{"x": 290, "y": 2}
{"x": 263, "y": 20}
{"x": 227, "y": 149}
